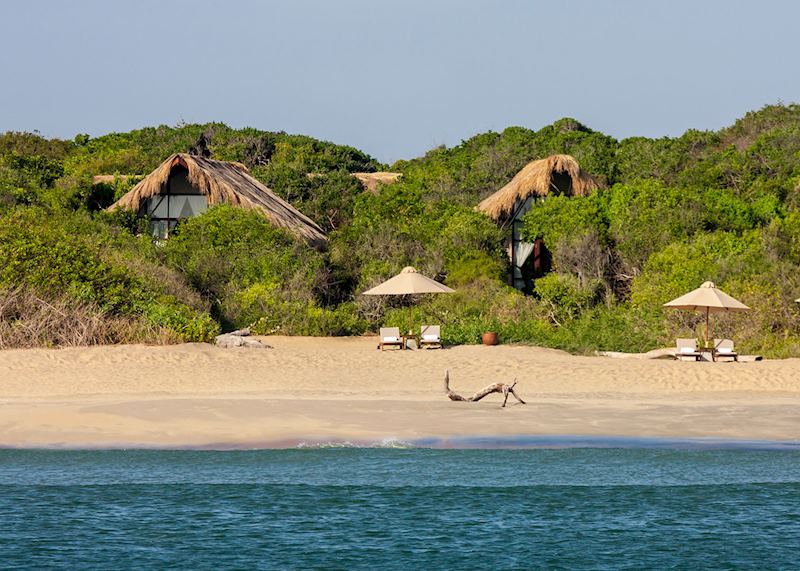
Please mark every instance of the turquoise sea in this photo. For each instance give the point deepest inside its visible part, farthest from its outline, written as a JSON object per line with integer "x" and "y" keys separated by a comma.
{"x": 415, "y": 508}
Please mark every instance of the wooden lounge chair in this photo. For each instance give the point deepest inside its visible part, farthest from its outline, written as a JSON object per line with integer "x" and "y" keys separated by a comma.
{"x": 686, "y": 349}
{"x": 390, "y": 337}
{"x": 724, "y": 348}
{"x": 430, "y": 337}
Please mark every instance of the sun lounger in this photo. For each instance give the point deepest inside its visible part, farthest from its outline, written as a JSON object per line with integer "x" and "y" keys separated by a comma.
{"x": 724, "y": 348}
{"x": 686, "y": 349}
{"x": 430, "y": 337}
{"x": 390, "y": 337}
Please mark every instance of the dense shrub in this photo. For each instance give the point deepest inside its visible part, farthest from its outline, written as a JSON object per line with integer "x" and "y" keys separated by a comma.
{"x": 32, "y": 319}
{"x": 399, "y": 228}
{"x": 76, "y": 258}
{"x": 305, "y": 318}
{"x": 326, "y": 198}
{"x": 245, "y": 267}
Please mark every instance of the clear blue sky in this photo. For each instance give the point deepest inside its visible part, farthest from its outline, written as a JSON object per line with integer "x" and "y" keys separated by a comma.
{"x": 394, "y": 78}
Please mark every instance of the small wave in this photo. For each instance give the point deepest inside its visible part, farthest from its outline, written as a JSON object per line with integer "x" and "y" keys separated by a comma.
{"x": 394, "y": 443}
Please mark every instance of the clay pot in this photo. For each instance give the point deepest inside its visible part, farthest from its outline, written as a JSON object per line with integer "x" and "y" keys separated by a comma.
{"x": 489, "y": 338}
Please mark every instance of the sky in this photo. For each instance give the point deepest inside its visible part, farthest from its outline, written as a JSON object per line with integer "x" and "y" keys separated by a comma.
{"x": 393, "y": 78}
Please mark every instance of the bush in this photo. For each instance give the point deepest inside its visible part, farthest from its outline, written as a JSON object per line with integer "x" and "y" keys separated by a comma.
{"x": 304, "y": 318}
{"x": 565, "y": 297}
{"x": 33, "y": 319}
{"x": 79, "y": 260}
{"x": 326, "y": 198}
{"x": 558, "y": 217}
{"x": 236, "y": 258}
{"x": 399, "y": 228}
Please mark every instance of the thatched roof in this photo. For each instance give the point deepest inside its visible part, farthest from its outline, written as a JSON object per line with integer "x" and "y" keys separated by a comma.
{"x": 224, "y": 182}
{"x": 371, "y": 180}
{"x": 112, "y": 178}
{"x": 536, "y": 179}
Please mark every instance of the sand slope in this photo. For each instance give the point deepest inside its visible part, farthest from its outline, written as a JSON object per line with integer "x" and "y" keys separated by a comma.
{"x": 309, "y": 389}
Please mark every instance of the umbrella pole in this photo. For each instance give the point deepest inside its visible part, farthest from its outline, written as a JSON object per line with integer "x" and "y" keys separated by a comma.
{"x": 707, "y": 310}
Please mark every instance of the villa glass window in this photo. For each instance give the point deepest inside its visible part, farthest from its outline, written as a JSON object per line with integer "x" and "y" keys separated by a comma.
{"x": 180, "y": 200}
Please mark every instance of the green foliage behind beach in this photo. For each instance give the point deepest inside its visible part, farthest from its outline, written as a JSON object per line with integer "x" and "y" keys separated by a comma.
{"x": 670, "y": 214}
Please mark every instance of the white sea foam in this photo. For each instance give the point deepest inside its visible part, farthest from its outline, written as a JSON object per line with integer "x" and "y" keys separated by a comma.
{"x": 390, "y": 442}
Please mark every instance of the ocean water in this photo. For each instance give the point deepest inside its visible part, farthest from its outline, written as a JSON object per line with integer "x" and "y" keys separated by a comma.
{"x": 372, "y": 508}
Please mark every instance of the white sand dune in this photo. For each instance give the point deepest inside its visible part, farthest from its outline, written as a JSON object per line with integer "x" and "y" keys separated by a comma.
{"x": 312, "y": 389}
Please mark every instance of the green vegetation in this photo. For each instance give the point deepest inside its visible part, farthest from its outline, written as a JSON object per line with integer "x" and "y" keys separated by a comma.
{"x": 671, "y": 213}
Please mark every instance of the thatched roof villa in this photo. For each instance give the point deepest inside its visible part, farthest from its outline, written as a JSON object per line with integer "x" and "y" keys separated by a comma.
{"x": 186, "y": 185}
{"x": 112, "y": 178}
{"x": 556, "y": 174}
{"x": 371, "y": 180}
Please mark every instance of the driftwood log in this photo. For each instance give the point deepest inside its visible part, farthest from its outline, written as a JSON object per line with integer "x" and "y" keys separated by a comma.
{"x": 487, "y": 390}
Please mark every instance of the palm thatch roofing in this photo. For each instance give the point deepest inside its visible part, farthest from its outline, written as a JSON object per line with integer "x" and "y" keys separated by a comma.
{"x": 368, "y": 180}
{"x": 112, "y": 178}
{"x": 224, "y": 182}
{"x": 371, "y": 180}
{"x": 537, "y": 179}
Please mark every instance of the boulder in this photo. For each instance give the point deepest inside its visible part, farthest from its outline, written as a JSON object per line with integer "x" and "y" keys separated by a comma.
{"x": 229, "y": 340}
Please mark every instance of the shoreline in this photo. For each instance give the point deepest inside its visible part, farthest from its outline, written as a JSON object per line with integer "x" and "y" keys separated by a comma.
{"x": 511, "y": 442}
{"x": 328, "y": 390}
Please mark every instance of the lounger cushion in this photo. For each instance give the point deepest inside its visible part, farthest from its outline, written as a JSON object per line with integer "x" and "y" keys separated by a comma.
{"x": 390, "y": 339}
{"x": 688, "y": 350}
{"x": 430, "y": 337}
{"x": 724, "y": 350}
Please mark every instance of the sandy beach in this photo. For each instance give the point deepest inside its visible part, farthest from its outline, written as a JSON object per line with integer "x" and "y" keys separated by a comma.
{"x": 312, "y": 390}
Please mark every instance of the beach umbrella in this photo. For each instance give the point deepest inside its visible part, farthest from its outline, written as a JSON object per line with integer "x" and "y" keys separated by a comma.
{"x": 408, "y": 281}
{"x": 707, "y": 298}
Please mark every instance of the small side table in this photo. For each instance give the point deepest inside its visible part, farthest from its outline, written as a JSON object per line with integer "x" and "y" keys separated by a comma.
{"x": 410, "y": 336}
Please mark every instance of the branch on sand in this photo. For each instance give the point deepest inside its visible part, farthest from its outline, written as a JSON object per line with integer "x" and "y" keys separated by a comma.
{"x": 487, "y": 390}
